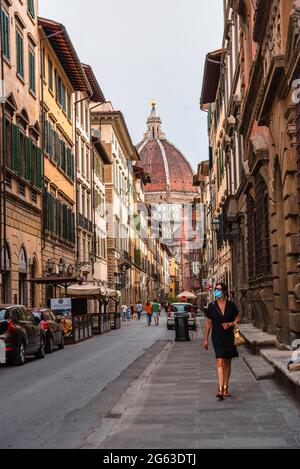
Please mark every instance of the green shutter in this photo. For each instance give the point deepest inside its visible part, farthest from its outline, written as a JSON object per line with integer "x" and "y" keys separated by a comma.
{"x": 31, "y": 8}
{"x": 63, "y": 155}
{"x": 31, "y": 71}
{"x": 20, "y": 55}
{"x": 39, "y": 169}
{"x": 15, "y": 148}
{"x": 5, "y": 34}
{"x": 58, "y": 218}
{"x": 28, "y": 159}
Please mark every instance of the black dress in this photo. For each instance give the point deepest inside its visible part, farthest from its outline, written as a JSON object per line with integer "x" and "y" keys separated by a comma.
{"x": 223, "y": 340}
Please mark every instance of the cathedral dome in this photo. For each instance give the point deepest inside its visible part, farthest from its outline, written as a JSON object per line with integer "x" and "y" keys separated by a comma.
{"x": 169, "y": 169}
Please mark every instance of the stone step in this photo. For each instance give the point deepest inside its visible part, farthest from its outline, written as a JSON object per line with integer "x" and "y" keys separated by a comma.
{"x": 259, "y": 367}
{"x": 256, "y": 338}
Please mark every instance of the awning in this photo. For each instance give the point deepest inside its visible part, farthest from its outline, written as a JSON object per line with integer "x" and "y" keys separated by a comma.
{"x": 187, "y": 294}
{"x": 114, "y": 293}
{"x": 211, "y": 78}
{"x": 87, "y": 291}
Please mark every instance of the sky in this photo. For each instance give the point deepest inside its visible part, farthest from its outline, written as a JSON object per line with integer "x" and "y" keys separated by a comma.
{"x": 142, "y": 50}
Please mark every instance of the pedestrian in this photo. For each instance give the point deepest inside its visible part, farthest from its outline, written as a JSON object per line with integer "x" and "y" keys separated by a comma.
{"x": 124, "y": 312}
{"x": 222, "y": 316}
{"x": 128, "y": 313}
{"x": 156, "y": 309}
{"x": 148, "y": 309}
{"x": 139, "y": 309}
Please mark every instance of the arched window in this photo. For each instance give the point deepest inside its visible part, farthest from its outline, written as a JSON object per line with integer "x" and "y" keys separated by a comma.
{"x": 6, "y": 275}
{"x": 22, "y": 268}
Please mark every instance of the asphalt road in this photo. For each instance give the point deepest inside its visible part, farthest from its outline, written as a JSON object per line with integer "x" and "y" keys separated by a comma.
{"x": 56, "y": 402}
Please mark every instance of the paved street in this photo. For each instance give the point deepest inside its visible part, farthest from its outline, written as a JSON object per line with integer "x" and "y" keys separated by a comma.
{"x": 137, "y": 388}
{"x": 176, "y": 408}
{"x": 55, "y": 402}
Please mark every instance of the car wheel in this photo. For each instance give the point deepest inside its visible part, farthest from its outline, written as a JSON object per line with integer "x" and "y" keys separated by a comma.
{"x": 62, "y": 343}
{"x": 50, "y": 345}
{"x": 20, "y": 358}
{"x": 41, "y": 352}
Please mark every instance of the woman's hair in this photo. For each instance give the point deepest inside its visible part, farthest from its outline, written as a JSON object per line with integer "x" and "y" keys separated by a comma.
{"x": 224, "y": 288}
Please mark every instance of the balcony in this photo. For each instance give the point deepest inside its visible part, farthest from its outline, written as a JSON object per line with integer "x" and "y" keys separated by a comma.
{"x": 85, "y": 223}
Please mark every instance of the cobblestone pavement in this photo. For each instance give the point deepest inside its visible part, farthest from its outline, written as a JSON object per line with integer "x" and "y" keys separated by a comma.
{"x": 173, "y": 405}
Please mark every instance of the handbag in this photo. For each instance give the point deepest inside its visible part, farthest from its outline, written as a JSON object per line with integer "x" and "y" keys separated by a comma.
{"x": 239, "y": 339}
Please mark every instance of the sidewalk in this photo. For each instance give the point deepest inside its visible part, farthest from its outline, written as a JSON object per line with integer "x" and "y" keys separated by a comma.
{"x": 173, "y": 405}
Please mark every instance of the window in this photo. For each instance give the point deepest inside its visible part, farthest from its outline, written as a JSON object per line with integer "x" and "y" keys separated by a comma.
{"x": 5, "y": 34}
{"x": 88, "y": 165}
{"x": 63, "y": 96}
{"x": 87, "y": 119}
{"x": 31, "y": 8}
{"x": 20, "y": 54}
{"x": 50, "y": 75}
{"x": 69, "y": 107}
{"x": 32, "y": 71}
{"x": 82, "y": 160}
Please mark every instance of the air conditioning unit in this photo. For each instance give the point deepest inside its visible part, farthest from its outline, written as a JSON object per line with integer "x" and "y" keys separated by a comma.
{"x": 96, "y": 133}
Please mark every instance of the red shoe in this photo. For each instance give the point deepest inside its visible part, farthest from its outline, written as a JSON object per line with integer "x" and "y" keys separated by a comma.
{"x": 220, "y": 394}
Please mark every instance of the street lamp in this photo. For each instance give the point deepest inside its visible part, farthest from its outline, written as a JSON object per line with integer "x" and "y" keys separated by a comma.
{"x": 50, "y": 266}
{"x": 226, "y": 236}
{"x": 70, "y": 270}
{"x": 61, "y": 266}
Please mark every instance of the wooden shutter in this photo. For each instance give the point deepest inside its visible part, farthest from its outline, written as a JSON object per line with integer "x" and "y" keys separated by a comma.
{"x": 39, "y": 168}
{"x": 28, "y": 159}
{"x": 63, "y": 155}
{"x": 15, "y": 148}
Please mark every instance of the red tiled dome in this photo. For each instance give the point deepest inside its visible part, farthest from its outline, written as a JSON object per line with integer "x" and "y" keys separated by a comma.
{"x": 168, "y": 168}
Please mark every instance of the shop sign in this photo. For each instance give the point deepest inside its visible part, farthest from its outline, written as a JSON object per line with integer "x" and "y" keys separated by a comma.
{"x": 61, "y": 304}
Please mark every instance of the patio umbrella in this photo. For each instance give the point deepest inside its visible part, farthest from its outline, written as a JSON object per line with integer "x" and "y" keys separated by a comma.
{"x": 188, "y": 295}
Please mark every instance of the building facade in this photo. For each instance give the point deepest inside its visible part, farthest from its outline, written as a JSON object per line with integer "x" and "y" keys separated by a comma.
{"x": 256, "y": 73}
{"x": 21, "y": 158}
{"x": 62, "y": 75}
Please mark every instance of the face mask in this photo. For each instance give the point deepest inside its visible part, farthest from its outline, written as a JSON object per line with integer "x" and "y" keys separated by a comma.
{"x": 218, "y": 294}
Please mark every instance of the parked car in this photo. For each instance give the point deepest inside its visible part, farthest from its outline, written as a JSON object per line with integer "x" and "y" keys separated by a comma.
{"x": 182, "y": 308}
{"x": 21, "y": 334}
{"x": 53, "y": 330}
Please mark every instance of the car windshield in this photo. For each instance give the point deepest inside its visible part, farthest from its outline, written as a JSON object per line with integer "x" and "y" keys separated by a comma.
{"x": 4, "y": 314}
{"x": 181, "y": 308}
{"x": 36, "y": 314}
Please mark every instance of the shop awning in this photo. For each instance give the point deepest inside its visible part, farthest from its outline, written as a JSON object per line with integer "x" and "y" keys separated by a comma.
{"x": 87, "y": 291}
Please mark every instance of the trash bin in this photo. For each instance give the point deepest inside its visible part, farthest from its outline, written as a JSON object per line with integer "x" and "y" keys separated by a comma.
{"x": 182, "y": 327}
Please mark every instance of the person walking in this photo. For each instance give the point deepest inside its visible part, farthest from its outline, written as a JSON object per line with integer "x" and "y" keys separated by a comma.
{"x": 124, "y": 312}
{"x": 128, "y": 313}
{"x": 139, "y": 309}
{"x": 156, "y": 309}
{"x": 222, "y": 316}
{"x": 148, "y": 309}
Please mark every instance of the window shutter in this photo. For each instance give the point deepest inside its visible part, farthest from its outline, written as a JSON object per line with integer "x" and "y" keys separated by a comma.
{"x": 28, "y": 159}
{"x": 72, "y": 167}
{"x": 39, "y": 168}
{"x": 15, "y": 148}
{"x": 32, "y": 71}
{"x": 63, "y": 155}
{"x": 31, "y": 8}
{"x": 5, "y": 34}
{"x": 58, "y": 218}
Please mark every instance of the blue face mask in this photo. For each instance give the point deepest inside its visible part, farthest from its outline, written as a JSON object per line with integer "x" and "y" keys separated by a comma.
{"x": 218, "y": 294}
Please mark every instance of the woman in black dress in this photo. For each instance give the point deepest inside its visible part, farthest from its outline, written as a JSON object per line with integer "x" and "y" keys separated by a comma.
{"x": 222, "y": 315}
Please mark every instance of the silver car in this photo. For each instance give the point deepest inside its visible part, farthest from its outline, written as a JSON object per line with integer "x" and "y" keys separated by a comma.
{"x": 182, "y": 308}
